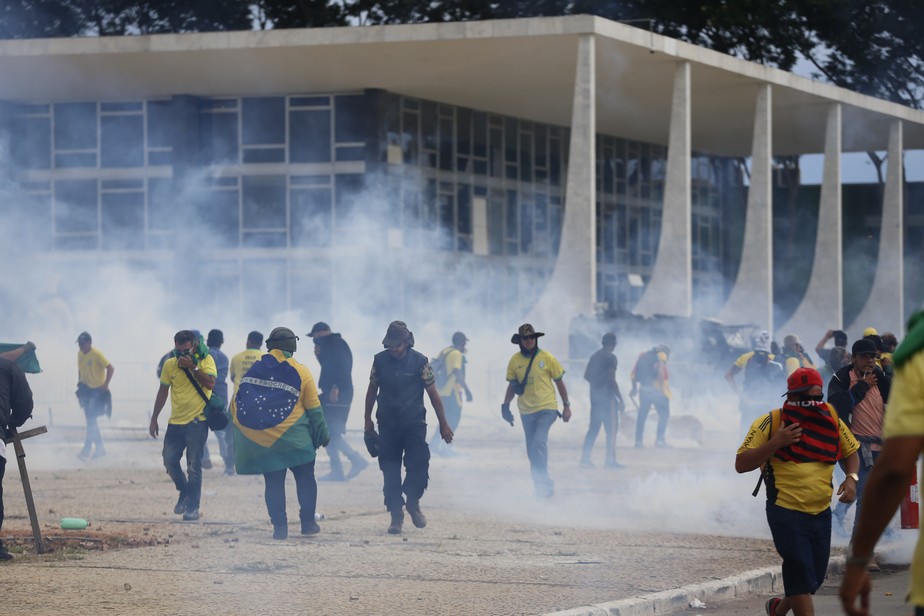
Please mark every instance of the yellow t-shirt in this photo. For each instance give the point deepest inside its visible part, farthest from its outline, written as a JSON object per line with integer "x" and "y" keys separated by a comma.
{"x": 240, "y": 364}
{"x": 452, "y": 362}
{"x": 801, "y": 486}
{"x": 185, "y": 402}
{"x": 905, "y": 417}
{"x": 91, "y": 368}
{"x": 539, "y": 394}
{"x": 744, "y": 358}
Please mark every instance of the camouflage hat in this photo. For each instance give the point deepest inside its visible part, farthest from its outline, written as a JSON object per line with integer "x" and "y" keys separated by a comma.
{"x": 526, "y": 330}
{"x": 396, "y": 334}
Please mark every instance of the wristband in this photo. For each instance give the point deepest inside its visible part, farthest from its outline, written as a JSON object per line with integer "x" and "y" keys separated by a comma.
{"x": 852, "y": 560}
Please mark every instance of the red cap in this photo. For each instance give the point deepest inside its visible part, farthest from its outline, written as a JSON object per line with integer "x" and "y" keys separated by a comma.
{"x": 803, "y": 379}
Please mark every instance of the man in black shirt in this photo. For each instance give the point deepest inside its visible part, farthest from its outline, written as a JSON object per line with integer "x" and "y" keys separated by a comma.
{"x": 336, "y": 387}
{"x": 605, "y": 401}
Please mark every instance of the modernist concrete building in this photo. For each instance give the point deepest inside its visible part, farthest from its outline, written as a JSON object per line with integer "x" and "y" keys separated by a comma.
{"x": 535, "y": 168}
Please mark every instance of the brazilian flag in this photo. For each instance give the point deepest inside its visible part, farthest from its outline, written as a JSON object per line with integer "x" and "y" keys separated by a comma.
{"x": 27, "y": 361}
{"x": 271, "y": 429}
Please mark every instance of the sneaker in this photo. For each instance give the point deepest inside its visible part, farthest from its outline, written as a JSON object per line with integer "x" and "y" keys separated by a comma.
{"x": 206, "y": 464}
{"x": 83, "y": 455}
{"x": 662, "y": 445}
{"x": 191, "y": 515}
{"x": 417, "y": 516}
{"x": 99, "y": 454}
{"x": 358, "y": 466}
{"x": 4, "y": 555}
{"x": 229, "y": 471}
{"x": 180, "y": 506}
{"x": 397, "y": 521}
{"x": 280, "y": 532}
{"x": 873, "y": 566}
{"x": 771, "y": 605}
{"x": 587, "y": 464}
{"x": 332, "y": 477}
{"x": 310, "y": 528}
{"x": 614, "y": 464}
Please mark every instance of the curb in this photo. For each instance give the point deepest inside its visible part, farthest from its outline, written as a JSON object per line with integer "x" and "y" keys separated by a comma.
{"x": 758, "y": 581}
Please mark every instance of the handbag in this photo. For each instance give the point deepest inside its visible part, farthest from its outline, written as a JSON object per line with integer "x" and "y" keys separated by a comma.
{"x": 520, "y": 386}
{"x": 215, "y": 417}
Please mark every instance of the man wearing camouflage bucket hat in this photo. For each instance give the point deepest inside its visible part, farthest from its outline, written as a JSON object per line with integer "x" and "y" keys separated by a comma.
{"x": 400, "y": 376}
{"x": 531, "y": 373}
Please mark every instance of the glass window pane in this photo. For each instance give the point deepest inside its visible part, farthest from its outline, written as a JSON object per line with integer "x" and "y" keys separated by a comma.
{"x": 76, "y": 206}
{"x": 122, "y": 221}
{"x": 219, "y": 209}
{"x": 122, "y": 141}
{"x": 349, "y": 191}
{"x": 218, "y": 136}
{"x": 309, "y": 136}
{"x": 311, "y": 217}
{"x": 264, "y": 155}
{"x": 30, "y": 144}
{"x": 352, "y": 119}
{"x": 75, "y": 126}
{"x": 161, "y": 204}
{"x": 263, "y": 239}
{"x": 264, "y": 202}
{"x": 159, "y": 128}
{"x": 263, "y": 121}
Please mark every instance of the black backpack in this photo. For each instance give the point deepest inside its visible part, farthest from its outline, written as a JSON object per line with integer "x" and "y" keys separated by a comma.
{"x": 646, "y": 368}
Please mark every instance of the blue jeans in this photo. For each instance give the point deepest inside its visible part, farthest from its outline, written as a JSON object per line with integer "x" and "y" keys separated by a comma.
{"x": 602, "y": 413}
{"x": 191, "y": 438}
{"x": 536, "y": 427}
{"x": 226, "y": 446}
{"x": 336, "y": 416}
{"x": 407, "y": 443}
{"x": 2, "y": 471}
{"x": 648, "y": 397}
{"x": 803, "y": 541}
{"x": 275, "y": 493}
{"x": 94, "y": 437}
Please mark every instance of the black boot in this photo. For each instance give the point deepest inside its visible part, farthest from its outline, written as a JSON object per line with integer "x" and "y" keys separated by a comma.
{"x": 417, "y": 516}
{"x": 397, "y": 521}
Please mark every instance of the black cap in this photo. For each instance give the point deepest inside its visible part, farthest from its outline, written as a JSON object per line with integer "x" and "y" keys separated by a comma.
{"x": 84, "y": 337}
{"x": 459, "y": 338}
{"x": 320, "y": 326}
{"x": 863, "y": 346}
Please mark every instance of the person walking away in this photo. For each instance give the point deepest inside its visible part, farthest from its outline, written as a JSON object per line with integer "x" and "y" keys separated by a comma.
{"x": 184, "y": 376}
{"x": 763, "y": 378}
{"x": 840, "y": 341}
{"x": 215, "y": 340}
{"x": 605, "y": 401}
{"x": 860, "y": 392}
{"x": 533, "y": 375}
{"x": 796, "y": 448}
{"x": 889, "y": 481}
{"x": 451, "y": 385}
{"x": 651, "y": 380}
{"x": 15, "y": 408}
{"x": 240, "y": 364}
{"x": 336, "y": 385}
{"x": 278, "y": 427}
{"x": 399, "y": 377}
{"x": 93, "y": 375}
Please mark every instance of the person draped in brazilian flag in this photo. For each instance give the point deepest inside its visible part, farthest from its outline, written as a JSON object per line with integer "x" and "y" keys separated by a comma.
{"x": 279, "y": 425}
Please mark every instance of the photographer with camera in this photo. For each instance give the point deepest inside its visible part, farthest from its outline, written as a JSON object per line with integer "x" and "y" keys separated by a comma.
{"x": 530, "y": 375}
{"x": 859, "y": 392}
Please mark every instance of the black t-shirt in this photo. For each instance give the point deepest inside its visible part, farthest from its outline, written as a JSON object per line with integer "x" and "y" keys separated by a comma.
{"x": 598, "y": 369}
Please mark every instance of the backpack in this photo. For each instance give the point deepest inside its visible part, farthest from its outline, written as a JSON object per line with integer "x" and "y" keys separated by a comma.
{"x": 646, "y": 368}
{"x": 438, "y": 365}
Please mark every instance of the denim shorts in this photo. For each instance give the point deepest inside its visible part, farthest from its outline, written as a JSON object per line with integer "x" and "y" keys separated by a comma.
{"x": 803, "y": 540}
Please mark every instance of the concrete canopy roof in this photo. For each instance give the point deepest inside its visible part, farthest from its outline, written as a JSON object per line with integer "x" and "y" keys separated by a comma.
{"x": 523, "y": 68}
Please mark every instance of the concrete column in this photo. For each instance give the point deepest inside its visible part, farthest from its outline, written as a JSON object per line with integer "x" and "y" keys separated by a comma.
{"x": 822, "y": 305}
{"x": 572, "y": 288}
{"x": 670, "y": 289}
{"x": 885, "y": 306}
{"x": 751, "y": 298}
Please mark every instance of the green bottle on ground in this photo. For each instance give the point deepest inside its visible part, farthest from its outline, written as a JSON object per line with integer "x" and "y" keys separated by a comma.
{"x": 74, "y": 523}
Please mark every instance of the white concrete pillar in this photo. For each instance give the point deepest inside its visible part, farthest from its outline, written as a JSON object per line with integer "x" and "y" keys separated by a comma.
{"x": 822, "y": 305}
{"x": 572, "y": 289}
{"x": 885, "y": 306}
{"x": 751, "y": 298}
{"x": 670, "y": 289}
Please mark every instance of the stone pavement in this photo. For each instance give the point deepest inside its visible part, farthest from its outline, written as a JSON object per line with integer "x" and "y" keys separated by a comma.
{"x": 670, "y": 519}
